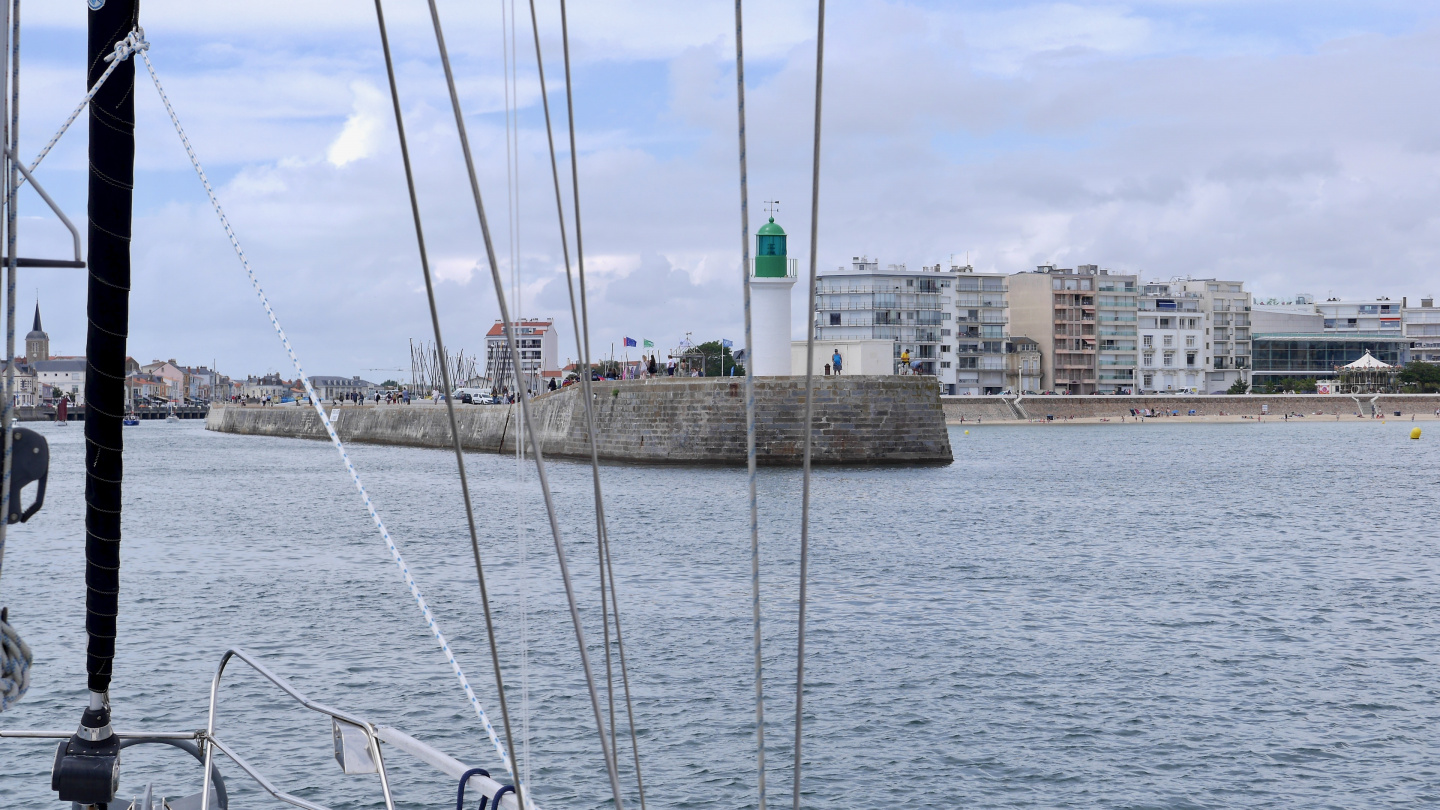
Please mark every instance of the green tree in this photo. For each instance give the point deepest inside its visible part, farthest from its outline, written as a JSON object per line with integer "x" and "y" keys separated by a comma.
{"x": 718, "y": 360}
{"x": 1239, "y": 387}
{"x": 1420, "y": 377}
{"x": 389, "y": 384}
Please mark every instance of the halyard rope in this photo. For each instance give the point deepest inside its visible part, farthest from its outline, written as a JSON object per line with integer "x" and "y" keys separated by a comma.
{"x": 750, "y": 411}
{"x": 330, "y": 428}
{"x": 134, "y": 42}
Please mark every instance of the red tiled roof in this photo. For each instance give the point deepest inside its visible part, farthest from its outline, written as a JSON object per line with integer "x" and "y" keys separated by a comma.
{"x": 499, "y": 327}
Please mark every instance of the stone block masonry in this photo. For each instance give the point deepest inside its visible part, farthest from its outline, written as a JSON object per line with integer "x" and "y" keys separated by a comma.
{"x": 1002, "y": 408}
{"x": 858, "y": 420}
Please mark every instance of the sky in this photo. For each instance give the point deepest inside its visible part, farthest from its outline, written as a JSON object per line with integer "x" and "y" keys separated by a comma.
{"x": 1293, "y": 145}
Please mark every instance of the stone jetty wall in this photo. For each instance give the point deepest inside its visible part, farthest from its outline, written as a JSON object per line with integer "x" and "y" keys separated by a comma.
{"x": 859, "y": 420}
{"x": 999, "y": 408}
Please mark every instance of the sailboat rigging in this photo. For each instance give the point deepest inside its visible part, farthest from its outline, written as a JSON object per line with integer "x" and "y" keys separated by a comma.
{"x": 87, "y": 765}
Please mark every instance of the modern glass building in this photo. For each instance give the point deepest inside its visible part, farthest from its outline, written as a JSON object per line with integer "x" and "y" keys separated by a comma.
{"x": 1319, "y": 355}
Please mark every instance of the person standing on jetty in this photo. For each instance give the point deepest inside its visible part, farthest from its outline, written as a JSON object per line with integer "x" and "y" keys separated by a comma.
{"x": 835, "y": 361}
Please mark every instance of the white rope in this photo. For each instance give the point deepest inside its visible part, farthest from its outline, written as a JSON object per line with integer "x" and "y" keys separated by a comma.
{"x": 334, "y": 438}
{"x": 15, "y": 660}
{"x": 132, "y": 43}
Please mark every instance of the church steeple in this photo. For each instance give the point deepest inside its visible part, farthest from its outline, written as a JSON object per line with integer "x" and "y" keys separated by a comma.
{"x": 37, "y": 343}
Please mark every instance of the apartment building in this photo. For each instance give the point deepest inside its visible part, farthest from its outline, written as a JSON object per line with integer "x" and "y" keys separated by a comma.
{"x": 537, "y": 342}
{"x": 981, "y": 317}
{"x": 951, "y": 321}
{"x": 1084, "y": 321}
{"x": 1117, "y": 321}
{"x": 1172, "y": 337}
{"x": 1379, "y": 316}
{"x": 1421, "y": 326}
{"x": 1228, "y": 346}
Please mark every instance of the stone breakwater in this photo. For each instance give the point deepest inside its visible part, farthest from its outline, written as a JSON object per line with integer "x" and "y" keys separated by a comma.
{"x": 1009, "y": 408}
{"x": 858, "y": 420}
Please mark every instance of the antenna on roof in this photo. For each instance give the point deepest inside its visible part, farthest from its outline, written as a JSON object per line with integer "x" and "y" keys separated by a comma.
{"x": 772, "y": 207}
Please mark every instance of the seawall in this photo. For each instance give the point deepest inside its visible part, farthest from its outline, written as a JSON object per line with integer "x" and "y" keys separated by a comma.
{"x": 858, "y": 420}
{"x": 1003, "y": 408}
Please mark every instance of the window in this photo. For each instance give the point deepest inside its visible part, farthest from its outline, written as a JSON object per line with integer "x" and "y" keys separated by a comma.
{"x": 1189, "y": 341}
{"x": 834, "y": 319}
{"x": 1169, "y": 358}
{"x": 1149, "y": 380}
{"x": 1169, "y": 340}
{"x": 1190, "y": 359}
{"x": 1149, "y": 340}
{"x": 944, "y": 364}
{"x": 945, "y": 350}
{"x": 1149, "y": 358}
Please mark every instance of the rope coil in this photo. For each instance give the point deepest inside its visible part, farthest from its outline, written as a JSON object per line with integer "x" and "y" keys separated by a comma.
{"x": 15, "y": 661}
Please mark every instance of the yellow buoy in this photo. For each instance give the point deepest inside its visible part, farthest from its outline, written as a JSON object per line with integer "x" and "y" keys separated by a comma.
{"x": 1414, "y": 433}
{"x": 967, "y": 433}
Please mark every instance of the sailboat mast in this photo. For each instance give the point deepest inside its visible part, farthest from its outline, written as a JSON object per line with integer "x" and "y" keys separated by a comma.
{"x": 112, "y": 177}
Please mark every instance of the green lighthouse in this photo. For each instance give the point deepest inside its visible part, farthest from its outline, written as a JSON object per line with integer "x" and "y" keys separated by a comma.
{"x": 770, "y": 261}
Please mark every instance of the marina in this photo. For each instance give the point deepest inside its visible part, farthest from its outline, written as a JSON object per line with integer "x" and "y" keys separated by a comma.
{"x": 1103, "y": 637}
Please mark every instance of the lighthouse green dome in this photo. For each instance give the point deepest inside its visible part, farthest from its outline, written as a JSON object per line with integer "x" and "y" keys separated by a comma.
{"x": 770, "y": 229}
{"x": 770, "y": 261}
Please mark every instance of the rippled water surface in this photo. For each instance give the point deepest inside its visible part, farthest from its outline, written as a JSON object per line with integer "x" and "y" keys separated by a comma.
{"x": 1069, "y": 616}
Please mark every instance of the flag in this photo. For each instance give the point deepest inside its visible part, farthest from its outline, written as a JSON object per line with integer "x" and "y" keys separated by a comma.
{"x": 728, "y": 344}
{"x": 649, "y": 344}
{"x": 629, "y": 341}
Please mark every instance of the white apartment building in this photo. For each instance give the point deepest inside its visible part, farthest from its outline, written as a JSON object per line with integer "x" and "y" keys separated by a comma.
{"x": 951, "y": 323}
{"x": 1117, "y": 319}
{"x": 1228, "y": 344}
{"x": 1172, "y": 339}
{"x": 1380, "y": 315}
{"x": 537, "y": 342}
{"x": 1422, "y": 326}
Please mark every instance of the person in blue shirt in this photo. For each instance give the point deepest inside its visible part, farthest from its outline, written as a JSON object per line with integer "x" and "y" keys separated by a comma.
{"x": 835, "y": 361}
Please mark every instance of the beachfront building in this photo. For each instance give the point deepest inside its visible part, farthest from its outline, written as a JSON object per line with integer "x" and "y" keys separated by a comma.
{"x": 538, "y": 344}
{"x": 1229, "y": 345}
{"x": 1022, "y": 365}
{"x": 1318, "y": 356}
{"x": 1172, "y": 337}
{"x": 1378, "y": 316}
{"x": 1084, "y": 322}
{"x": 329, "y": 388}
{"x": 1056, "y": 308}
{"x": 1116, "y": 320}
{"x": 949, "y": 319}
{"x": 980, "y": 331}
{"x": 1421, "y": 326}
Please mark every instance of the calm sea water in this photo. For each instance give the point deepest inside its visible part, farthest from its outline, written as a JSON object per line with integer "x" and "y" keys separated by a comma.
{"x": 1069, "y": 616}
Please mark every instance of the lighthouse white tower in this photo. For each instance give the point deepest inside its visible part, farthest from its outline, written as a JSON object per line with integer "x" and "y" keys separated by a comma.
{"x": 771, "y": 278}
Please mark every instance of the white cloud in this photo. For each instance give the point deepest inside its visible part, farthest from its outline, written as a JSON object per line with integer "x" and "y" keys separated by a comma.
{"x": 1078, "y": 132}
{"x": 360, "y": 137}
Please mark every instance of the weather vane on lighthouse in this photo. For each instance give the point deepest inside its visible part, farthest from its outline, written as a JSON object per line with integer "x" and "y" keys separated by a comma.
{"x": 772, "y": 207}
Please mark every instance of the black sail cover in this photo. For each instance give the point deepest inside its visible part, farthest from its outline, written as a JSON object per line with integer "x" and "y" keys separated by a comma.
{"x": 112, "y": 176}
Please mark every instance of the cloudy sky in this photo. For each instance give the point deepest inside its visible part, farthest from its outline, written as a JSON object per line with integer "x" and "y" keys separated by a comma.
{"x": 1291, "y": 144}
